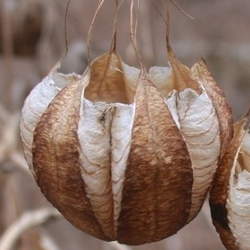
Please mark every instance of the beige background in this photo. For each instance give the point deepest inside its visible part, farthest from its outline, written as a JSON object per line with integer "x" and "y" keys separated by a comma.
{"x": 32, "y": 40}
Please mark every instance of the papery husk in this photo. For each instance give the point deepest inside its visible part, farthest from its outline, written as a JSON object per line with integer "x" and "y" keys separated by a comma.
{"x": 106, "y": 98}
{"x": 36, "y": 104}
{"x": 221, "y": 199}
{"x": 137, "y": 188}
{"x": 139, "y": 180}
{"x": 157, "y": 189}
{"x": 201, "y": 73}
{"x": 120, "y": 152}
{"x": 107, "y": 80}
{"x": 181, "y": 75}
{"x": 195, "y": 115}
{"x": 56, "y": 154}
{"x": 56, "y": 160}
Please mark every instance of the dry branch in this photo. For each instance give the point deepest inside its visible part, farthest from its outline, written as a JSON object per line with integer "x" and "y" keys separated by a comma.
{"x": 27, "y": 221}
{"x": 8, "y": 142}
{"x": 47, "y": 242}
{"x": 118, "y": 246}
{"x": 18, "y": 159}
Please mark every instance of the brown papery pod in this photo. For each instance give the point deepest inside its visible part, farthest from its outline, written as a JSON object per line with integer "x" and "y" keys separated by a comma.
{"x": 230, "y": 195}
{"x": 107, "y": 154}
{"x": 125, "y": 155}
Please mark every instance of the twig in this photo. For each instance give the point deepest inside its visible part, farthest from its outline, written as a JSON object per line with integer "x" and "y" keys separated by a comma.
{"x": 146, "y": 33}
{"x": 4, "y": 114}
{"x": 8, "y": 147}
{"x": 47, "y": 242}
{"x": 118, "y": 246}
{"x": 18, "y": 159}
{"x": 178, "y": 7}
{"x": 27, "y": 221}
{"x": 115, "y": 22}
{"x": 6, "y": 27}
{"x": 8, "y": 141}
{"x": 133, "y": 38}
{"x": 66, "y": 27}
{"x": 100, "y": 4}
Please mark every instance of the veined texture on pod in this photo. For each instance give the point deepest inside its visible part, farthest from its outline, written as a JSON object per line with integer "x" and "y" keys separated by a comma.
{"x": 123, "y": 154}
{"x": 203, "y": 117}
{"x": 230, "y": 195}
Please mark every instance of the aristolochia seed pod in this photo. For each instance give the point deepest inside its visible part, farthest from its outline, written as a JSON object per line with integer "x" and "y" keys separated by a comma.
{"x": 126, "y": 155}
{"x": 230, "y": 195}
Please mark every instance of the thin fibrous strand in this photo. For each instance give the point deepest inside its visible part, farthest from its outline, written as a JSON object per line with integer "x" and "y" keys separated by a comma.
{"x": 133, "y": 23}
{"x": 158, "y": 11}
{"x": 114, "y": 34}
{"x": 66, "y": 39}
{"x": 115, "y": 21}
{"x": 114, "y": 40}
{"x": 170, "y": 51}
{"x": 178, "y": 7}
{"x": 168, "y": 30}
{"x": 167, "y": 19}
{"x": 136, "y": 21}
{"x": 66, "y": 27}
{"x": 174, "y": 62}
{"x": 100, "y": 4}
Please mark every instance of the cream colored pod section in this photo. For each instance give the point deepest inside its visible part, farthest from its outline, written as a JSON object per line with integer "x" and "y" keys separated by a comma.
{"x": 36, "y": 104}
{"x": 230, "y": 195}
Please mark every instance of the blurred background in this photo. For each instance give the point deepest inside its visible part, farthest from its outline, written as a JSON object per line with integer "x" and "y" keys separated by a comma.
{"x": 32, "y": 40}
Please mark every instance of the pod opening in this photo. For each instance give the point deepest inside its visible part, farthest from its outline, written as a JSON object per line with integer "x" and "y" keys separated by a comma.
{"x": 62, "y": 80}
{"x": 109, "y": 82}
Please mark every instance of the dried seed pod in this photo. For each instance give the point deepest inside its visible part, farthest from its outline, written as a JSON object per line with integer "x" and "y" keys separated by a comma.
{"x": 230, "y": 195}
{"x": 125, "y": 155}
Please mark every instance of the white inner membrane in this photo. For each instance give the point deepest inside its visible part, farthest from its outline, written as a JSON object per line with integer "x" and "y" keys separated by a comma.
{"x": 105, "y": 138}
{"x": 238, "y": 203}
{"x": 104, "y": 132}
{"x": 36, "y": 104}
{"x": 197, "y": 120}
